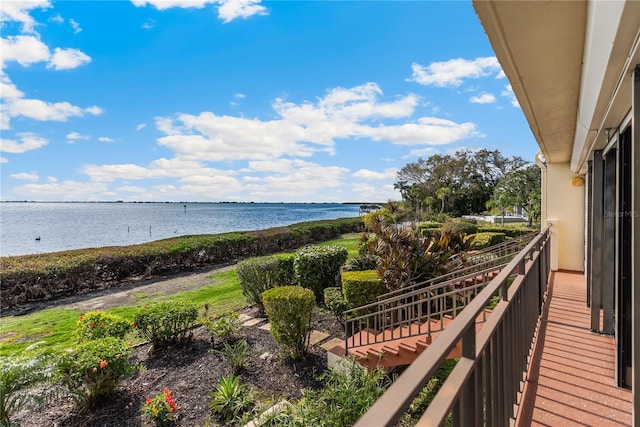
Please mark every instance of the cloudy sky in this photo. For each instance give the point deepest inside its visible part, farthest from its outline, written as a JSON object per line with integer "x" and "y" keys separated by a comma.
{"x": 242, "y": 100}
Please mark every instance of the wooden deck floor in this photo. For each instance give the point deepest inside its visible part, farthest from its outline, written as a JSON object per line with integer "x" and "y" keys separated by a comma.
{"x": 571, "y": 380}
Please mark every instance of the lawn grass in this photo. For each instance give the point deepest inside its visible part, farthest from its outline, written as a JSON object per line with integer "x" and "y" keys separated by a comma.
{"x": 55, "y": 326}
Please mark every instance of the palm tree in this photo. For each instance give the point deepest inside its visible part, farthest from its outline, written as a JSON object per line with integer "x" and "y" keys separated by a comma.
{"x": 443, "y": 193}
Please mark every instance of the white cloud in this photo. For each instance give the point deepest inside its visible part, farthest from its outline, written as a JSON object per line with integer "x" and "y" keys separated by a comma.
{"x": 37, "y": 109}
{"x": 419, "y": 152}
{"x": 228, "y": 10}
{"x": 95, "y": 110}
{"x": 67, "y": 59}
{"x": 4, "y": 160}
{"x": 75, "y": 26}
{"x": 132, "y": 189}
{"x": 18, "y": 11}
{"x": 28, "y": 142}
{"x": 167, "y": 4}
{"x": 239, "y": 96}
{"x": 232, "y": 9}
{"x": 66, "y": 190}
{"x": 25, "y": 176}
{"x": 52, "y": 179}
{"x": 483, "y": 98}
{"x": 454, "y": 71}
{"x": 57, "y": 19}
{"x": 151, "y": 23}
{"x": 304, "y": 129}
{"x": 293, "y": 178}
{"x": 141, "y": 126}
{"x": 160, "y": 168}
{"x": 105, "y": 139}
{"x": 23, "y": 49}
{"x": 72, "y": 137}
{"x": 508, "y": 93}
{"x": 369, "y": 175}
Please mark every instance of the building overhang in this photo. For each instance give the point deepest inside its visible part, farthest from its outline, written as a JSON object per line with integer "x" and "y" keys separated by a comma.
{"x": 569, "y": 64}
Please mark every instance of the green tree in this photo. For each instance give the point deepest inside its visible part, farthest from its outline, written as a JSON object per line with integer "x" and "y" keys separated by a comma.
{"x": 521, "y": 188}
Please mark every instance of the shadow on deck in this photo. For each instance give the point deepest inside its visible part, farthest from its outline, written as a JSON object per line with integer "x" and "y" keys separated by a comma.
{"x": 571, "y": 380}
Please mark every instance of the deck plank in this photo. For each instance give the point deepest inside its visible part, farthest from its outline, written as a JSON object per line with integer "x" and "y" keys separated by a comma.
{"x": 571, "y": 381}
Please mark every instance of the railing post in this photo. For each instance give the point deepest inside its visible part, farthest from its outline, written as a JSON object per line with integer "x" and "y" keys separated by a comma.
{"x": 468, "y": 394}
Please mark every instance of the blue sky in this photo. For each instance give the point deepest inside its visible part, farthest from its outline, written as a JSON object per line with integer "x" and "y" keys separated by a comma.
{"x": 242, "y": 100}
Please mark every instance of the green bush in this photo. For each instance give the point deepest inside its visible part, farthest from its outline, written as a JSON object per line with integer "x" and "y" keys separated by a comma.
{"x": 426, "y": 395}
{"x": 361, "y": 287}
{"x": 230, "y": 399}
{"x": 362, "y": 262}
{"x": 226, "y": 327}
{"x": 19, "y": 373}
{"x": 256, "y": 275}
{"x": 514, "y": 231}
{"x": 484, "y": 240}
{"x": 459, "y": 226}
{"x": 37, "y": 277}
{"x": 100, "y": 324}
{"x": 236, "y": 354}
{"x": 168, "y": 322}
{"x": 345, "y": 397}
{"x": 92, "y": 369}
{"x": 335, "y": 302}
{"x": 429, "y": 225}
{"x": 316, "y": 267}
{"x": 290, "y": 310}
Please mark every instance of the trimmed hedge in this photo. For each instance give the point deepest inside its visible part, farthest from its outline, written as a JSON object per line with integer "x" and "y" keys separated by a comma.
{"x": 256, "y": 275}
{"x": 361, "y": 287}
{"x": 484, "y": 240}
{"x": 290, "y": 310}
{"x": 43, "y": 277}
{"x": 508, "y": 231}
{"x": 465, "y": 227}
{"x": 316, "y": 267}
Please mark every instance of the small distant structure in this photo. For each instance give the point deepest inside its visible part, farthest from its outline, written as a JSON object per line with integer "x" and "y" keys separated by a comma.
{"x": 365, "y": 209}
{"x": 38, "y": 239}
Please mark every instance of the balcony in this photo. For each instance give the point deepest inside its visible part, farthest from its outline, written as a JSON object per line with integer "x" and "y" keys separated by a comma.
{"x": 533, "y": 362}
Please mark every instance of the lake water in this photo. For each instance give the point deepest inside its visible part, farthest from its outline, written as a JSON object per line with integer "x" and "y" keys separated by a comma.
{"x": 64, "y": 226}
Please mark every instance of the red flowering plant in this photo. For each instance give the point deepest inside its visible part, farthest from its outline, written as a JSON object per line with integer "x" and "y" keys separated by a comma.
{"x": 160, "y": 410}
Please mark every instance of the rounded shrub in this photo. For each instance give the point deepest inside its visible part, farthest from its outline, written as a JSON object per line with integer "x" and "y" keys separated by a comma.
{"x": 484, "y": 240}
{"x": 168, "y": 322}
{"x": 92, "y": 370}
{"x": 361, "y": 287}
{"x": 290, "y": 310}
{"x": 100, "y": 324}
{"x": 256, "y": 275}
{"x": 317, "y": 267}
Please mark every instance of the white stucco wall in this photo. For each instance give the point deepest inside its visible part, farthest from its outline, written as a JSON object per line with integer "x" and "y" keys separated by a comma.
{"x": 564, "y": 209}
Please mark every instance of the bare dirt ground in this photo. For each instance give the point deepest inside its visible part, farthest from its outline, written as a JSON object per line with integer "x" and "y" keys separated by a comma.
{"x": 191, "y": 371}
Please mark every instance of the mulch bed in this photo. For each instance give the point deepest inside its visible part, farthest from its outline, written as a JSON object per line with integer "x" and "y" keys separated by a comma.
{"x": 191, "y": 372}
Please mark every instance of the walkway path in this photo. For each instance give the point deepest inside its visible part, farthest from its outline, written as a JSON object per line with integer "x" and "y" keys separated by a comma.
{"x": 572, "y": 379}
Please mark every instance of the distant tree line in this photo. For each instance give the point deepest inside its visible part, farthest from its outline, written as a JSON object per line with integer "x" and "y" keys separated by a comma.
{"x": 469, "y": 182}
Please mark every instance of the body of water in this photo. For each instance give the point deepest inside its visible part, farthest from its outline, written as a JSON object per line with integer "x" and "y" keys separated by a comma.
{"x": 28, "y": 228}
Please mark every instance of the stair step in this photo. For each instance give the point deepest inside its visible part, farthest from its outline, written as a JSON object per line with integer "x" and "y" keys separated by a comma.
{"x": 408, "y": 347}
{"x": 391, "y": 350}
{"x": 374, "y": 352}
{"x": 423, "y": 343}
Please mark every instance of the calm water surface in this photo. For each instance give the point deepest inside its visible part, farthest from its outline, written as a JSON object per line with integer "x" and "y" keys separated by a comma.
{"x": 64, "y": 226}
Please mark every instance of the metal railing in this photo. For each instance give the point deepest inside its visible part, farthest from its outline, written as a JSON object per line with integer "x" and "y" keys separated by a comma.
{"x": 420, "y": 312}
{"x": 482, "y": 389}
